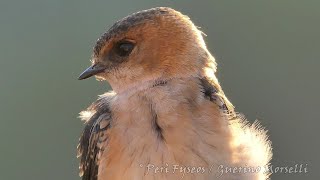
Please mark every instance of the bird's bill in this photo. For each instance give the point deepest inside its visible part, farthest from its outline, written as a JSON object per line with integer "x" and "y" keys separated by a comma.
{"x": 91, "y": 71}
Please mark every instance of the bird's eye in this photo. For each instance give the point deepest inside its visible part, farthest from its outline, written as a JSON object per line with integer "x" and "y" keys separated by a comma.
{"x": 124, "y": 48}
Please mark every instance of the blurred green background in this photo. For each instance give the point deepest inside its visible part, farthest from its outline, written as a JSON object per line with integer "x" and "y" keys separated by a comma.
{"x": 268, "y": 54}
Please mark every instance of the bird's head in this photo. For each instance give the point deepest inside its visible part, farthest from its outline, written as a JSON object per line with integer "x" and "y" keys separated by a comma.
{"x": 154, "y": 44}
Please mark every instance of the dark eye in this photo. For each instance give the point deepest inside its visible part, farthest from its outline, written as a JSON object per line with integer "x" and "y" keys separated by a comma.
{"x": 124, "y": 48}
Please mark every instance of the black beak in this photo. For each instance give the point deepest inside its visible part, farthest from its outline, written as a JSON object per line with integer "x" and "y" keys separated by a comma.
{"x": 91, "y": 71}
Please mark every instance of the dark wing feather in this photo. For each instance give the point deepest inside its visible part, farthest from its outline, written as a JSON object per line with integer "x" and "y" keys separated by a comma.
{"x": 92, "y": 140}
{"x": 216, "y": 95}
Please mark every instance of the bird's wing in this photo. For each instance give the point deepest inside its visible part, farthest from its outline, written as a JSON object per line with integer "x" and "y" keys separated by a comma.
{"x": 214, "y": 93}
{"x": 94, "y": 138}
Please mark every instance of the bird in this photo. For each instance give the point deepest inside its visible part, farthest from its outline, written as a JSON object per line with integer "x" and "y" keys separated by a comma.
{"x": 166, "y": 117}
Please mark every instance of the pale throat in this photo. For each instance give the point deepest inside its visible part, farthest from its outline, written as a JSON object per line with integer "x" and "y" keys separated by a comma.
{"x": 129, "y": 87}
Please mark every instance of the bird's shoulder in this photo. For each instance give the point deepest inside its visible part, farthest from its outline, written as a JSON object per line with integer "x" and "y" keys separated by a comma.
{"x": 213, "y": 92}
{"x": 94, "y": 138}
